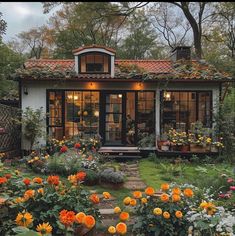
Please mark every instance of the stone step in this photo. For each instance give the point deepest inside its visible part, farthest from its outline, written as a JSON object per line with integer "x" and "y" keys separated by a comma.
{"x": 107, "y": 212}
{"x": 130, "y": 174}
{"x": 132, "y": 185}
{"x": 133, "y": 178}
{"x": 132, "y": 169}
{"x": 131, "y": 165}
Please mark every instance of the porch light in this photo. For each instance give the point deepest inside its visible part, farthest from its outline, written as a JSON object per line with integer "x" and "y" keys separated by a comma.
{"x": 120, "y": 95}
{"x": 167, "y": 96}
{"x": 70, "y": 96}
{"x": 75, "y": 97}
{"x": 26, "y": 91}
{"x": 96, "y": 113}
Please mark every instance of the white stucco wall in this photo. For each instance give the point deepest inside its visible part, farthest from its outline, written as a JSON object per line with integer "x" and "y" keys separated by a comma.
{"x": 36, "y": 97}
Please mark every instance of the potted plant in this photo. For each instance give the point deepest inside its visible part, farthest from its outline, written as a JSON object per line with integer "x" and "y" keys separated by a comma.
{"x": 166, "y": 145}
{"x": 215, "y": 146}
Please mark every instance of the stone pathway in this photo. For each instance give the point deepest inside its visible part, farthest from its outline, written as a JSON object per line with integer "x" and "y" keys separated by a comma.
{"x": 134, "y": 182}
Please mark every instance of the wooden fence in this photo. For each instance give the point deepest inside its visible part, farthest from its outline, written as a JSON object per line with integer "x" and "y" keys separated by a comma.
{"x": 10, "y": 133}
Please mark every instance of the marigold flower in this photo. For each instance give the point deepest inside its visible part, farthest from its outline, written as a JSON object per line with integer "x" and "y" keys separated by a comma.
{"x": 79, "y": 217}
{"x": 24, "y": 219}
{"x": 77, "y": 145}
{"x": 124, "y": 216}
{"x": 53, "y": 179}
{"x": 117, "y": 210}
{"x": 26, "y": 181}
{"x": 121, "y": 228}
{"x": 41, "y": 191}
{"x": 178, "y": 214}
{"x": 8, "y": 176}
{"x": 176, "y": 198}
{"x": 81, "y": 175}
{"x": 44, "y": 228}
{"x": 89, "y": 221}
{"x": 176, "y": 191}
{"x": 165, "y": 187}
{"x": 37, "y": 180}
{"x": 19, "y": 200}
{"x": 137, "y": 194}
{"x": 17, "y": 172}
{"x": 144, "y": 200}
{"x": 3, "y": 180}
{"x": 94, "y": 198}
{"x": 165, "y": 197}
{"x": 203, "y": 204}
{"x": 106, "y": 195}
{"x": 29, "y": 194}
{"x": 67, "y": 217}
{"x": 149, "y": 191}
{"x": 127, "y": 200}
{"x": 188, "y": 192}
{"x": 157, "y": 211}
{"x": 166, "y": 215}
{"x": 133, "y": 202}
{"x": 72, "y": 179}
{"x": 112, "y": 229}
{"x": 64, "y": 149}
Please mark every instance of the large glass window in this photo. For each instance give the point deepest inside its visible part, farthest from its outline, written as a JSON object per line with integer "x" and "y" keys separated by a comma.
{"x": 94, "y": 63}
{"x": 81, "y": 113}
{"x": 145, "y": 115}
{"x": 180, "y": 110}
{"x": 55, "y": 115}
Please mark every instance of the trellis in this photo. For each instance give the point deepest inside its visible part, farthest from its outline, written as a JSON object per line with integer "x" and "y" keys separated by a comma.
{"x": 10, "y": 133}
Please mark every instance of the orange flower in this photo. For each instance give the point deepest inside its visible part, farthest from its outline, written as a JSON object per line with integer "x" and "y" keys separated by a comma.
{"x": 117, "y": 210}
{"x": 37, "y": 180}
{"x": 67, "y": 217}
{"x": 149, "y": 191}
{"x": 188, "y": 192}
{"x": 175, "y": 198}
{"x": 41, "y": 191}
{"x": 24, "y": 219}
{"x": 106, "y": 195}
{"x": 124, "y": 216}
{"x": 112, "y": 229}
{"x": 89, "y": 221}
{"x": 64, "y": 149}
{"x": 81, "y": 176}
{"x": 176, "y": 191}
{"x": 127, "y": 200}
{"x": 77, "y": 145}
{"x": 166, "y": 215}
{"x": 29, "y": 194}
{"x": 72, "y": 179}
{"x": 121, "y": 228}
{"x": 165, "y": 187}
{"x": 178, "y": 214}
{"x": 137, "y": 194}
{"x": 26, "y": 181}
{"x": 165, "y": 197}
{"x": 3, "y": 180}
{"x": 53, "y": 179}
{"x": 133, "y": 202}
{"x": 79, "y": 217}
{"x": 94, "y": 198}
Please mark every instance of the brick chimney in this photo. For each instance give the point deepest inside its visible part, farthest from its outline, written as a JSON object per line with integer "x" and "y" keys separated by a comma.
{"x": 181, "y": 52}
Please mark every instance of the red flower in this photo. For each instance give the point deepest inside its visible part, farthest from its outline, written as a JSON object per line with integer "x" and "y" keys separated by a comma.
{"x": 64, "y": 149}
{"x": 3, "y": 180}
{"x": 89, "y": 158}
{"x": 224, "y": 195}
{"x": 53, "y": 179}
{"x": 230, "y": 180}
{"x": 81, "y": 176}
{"x": 77, "y": 145}
{"x": 8, "y": 176}
{"x": 232, "y": 188}
{"x": 26, "y": 181}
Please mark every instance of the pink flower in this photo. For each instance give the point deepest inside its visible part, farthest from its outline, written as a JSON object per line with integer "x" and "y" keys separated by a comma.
{"x": 224, "y": 195}
{"x": 230, "y": 180}
{"x": 232, "y": 188}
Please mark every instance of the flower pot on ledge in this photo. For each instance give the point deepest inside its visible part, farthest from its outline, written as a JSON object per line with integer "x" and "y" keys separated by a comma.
{"x": 185, "y": 148}
{"x": 176, "y": 147}
{"x": 197, "y": 148}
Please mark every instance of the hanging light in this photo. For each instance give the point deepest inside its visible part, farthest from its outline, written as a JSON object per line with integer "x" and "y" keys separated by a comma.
{"x": 120, "y": 95}
{"x": 167, "y": 96}
{"x": 96, "y": 113}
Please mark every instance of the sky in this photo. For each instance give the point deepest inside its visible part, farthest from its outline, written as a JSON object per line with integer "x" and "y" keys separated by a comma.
{"x": 21, "y": 16}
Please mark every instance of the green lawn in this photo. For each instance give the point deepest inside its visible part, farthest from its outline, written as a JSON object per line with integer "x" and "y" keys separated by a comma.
{"x": 154, "y": 173}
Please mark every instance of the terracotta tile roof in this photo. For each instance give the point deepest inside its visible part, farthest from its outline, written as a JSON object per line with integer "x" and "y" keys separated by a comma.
{"x": 94, "y": 46}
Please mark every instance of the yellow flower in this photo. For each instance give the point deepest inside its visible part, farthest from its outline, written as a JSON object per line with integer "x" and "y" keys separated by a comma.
{"x": 157, "y": 211}
{"x": 72, "y": 179}
{"x": 127, "y": 200}
{"x": 24, "y": 219}
{"x": 17, "y": 172}
{"x": 41, "y": 191}
{"x": 133, "y": 202}
{"x": 106, "y": 195}
{"x": 117, "y": 210}
{"x": 144, "y": 200}
{"x": 29, "y": 194}
{"x": 112, "y": 230}
{"x": 19, "y": 200}
{"x": 44, "y": 228}
{"x": 203, "y": 204}
{"x": 178, "y": 214}
{"x": 166, "y": 215}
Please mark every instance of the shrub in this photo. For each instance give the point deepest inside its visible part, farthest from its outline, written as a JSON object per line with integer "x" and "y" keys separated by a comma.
{"x": 111, "y": 176}
{"x": 92, "y": 177}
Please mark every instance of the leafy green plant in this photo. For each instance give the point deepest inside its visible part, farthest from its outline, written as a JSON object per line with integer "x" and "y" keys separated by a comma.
{"x": 146, "y": 140}
{"x": 111, "y": 176}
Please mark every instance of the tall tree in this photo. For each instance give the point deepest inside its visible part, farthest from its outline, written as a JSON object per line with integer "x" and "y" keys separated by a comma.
{"x": 3, "y": 26}
{"x": 141, "y": 38}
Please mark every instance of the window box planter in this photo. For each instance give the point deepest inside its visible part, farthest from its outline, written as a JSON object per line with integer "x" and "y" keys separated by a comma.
{"x": 165, "y": 147}
{"x": 214, "y": 148}
{"x": 185, "y": 148}
{"x": 176, "y": 147}
{"x": 197, "y": 148}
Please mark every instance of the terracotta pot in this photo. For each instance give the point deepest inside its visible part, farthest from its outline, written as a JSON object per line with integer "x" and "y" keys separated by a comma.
{"x": 196, "y": 148}
{"x": 176, "y": 147}
{"x": 185, "y": 148}
{"x": 160, "y": 143}
{"x": 165, "y": 147}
